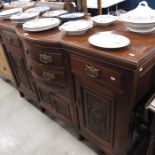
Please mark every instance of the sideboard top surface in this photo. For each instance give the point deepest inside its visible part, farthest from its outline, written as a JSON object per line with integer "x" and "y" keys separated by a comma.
{"x": 141, "y": 48}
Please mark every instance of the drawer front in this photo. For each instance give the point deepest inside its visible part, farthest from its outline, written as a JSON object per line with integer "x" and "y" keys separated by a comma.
{"x": 46, "y": 56}
{"x": 96, "y": 71}
{"x": 10, "y": 38}
{"x": 48, "y": 74}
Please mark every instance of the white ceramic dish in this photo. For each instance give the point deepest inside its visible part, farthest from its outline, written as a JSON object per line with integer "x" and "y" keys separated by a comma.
{"x": 77, "y": 27}
{"x": 72, "y": 16}
{"x": 108, "y": 40}
{"x": 24, "y": 17}
{"x": 54, "y": 13}
{"x": 104, "y": 20}
{"x": 38, "y": 9}
{"x": 41, "y": 24}
{"x": 8, "y": 13}
{"x": 139, "y": 19}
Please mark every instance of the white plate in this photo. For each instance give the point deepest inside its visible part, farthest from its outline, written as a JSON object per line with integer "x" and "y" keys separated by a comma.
{"x": 108, "y": 40}
{"x": 40, "y": 9}
{"x": 10, "y": 11}
{"x": 39, "y": 29}
{"x": 104, "y": 19}
{"x": 74, "y": 15}
{"x": 24, "y": 15}
{"x": 41, "y": 24}
{"x": 54, "y": 13}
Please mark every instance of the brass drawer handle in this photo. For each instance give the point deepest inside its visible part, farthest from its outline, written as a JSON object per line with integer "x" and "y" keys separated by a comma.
{"x": 91, "y": 71}
{"x": 45, "y": 58}
{"x": 48, "y": 75}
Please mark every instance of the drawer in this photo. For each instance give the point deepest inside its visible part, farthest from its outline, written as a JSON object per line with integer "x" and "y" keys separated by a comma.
{"x": 46, "y": 56}
{"x": 10, "y": 38}
{"x": 48, "y": 75}
{"x": 96, "y": 71}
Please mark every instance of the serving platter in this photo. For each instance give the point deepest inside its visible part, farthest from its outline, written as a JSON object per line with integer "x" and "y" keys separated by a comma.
{"x": 72, "y": 16}
{"x": 40, "y": 9}
{"x": 108, "y": 40}
{"x": 54, "y": 13}
{"x": 8, "y": 13}
{"x": 41, "y": 24}
{"x": 24, "y": 17}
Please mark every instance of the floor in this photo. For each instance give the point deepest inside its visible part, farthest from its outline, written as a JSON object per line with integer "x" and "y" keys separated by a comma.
{"x": 24, "y": 130}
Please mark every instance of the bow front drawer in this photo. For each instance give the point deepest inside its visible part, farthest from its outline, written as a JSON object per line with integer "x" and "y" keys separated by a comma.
{"x": 45, "y": 55}
{"x": 48, "y": 74}
{"x": 96, "y": 71}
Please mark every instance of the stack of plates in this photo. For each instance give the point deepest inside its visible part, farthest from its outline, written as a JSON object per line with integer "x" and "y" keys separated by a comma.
{"x": 41, "y": 24}
{"x": 54, "y": 13}
{"x": 77, "y": 27}
{"x": 21, "y": 18}
{"x": 40, "y": 9}
{"x": 8, "y": 13}
{"x": 104, "y": 20}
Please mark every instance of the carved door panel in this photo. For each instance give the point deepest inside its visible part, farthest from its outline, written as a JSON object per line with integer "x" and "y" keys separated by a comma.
{"x": 45, "y": 100}
{"x": 63, "y": 108}
{"x": 96, "y": 111}
{"x": 20, "y": 71}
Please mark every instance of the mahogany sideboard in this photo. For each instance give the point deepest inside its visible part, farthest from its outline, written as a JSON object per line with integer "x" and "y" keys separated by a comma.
{"x": 101, "y": 92}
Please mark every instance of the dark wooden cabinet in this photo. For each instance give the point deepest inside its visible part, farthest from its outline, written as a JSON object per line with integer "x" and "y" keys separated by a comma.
{"x": 101, "y": 92}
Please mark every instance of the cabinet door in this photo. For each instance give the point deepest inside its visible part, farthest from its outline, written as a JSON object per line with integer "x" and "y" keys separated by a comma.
{"x": 96, "y": 111}
{"x": 19, "y": 67}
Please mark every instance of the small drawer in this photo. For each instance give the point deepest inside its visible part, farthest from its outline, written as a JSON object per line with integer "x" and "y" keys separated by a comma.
{"x": 96, "y": 71}
{"x": 46, "y": 56}
{"x": 48, "y": 74}
{"x": 10, "y": 38}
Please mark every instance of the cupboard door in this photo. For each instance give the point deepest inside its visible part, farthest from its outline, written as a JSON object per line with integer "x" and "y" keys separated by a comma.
{"x": 44, "y": 97}
{"x": 97, "y": 113}
{"x": 19, "y": 67}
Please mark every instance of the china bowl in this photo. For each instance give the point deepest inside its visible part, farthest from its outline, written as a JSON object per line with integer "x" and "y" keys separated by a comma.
{"x": 103, "y": 20}
{"x": 77, "y": 27}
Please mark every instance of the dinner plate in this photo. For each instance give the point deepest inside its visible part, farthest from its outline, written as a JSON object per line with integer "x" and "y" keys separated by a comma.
{"x": 71, "y": 16}
{"x": 109, "y": 40}
{"x": 8, "y": 13}
{"x": 24, "y": 15}
{"x": 104, "y": 20}
{"x": 54, "y": 13}
{"x": 41, "y": 24}
{"x": 40, "y": 9}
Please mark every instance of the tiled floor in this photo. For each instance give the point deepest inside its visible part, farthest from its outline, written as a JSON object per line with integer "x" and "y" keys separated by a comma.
{"x": 24, "y": 130}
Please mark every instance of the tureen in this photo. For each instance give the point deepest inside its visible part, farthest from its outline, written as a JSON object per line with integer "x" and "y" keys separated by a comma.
{"x": 141, "y": 19}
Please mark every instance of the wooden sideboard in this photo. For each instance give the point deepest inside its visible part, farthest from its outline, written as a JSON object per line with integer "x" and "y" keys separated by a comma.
{"x": 101, "y": 92}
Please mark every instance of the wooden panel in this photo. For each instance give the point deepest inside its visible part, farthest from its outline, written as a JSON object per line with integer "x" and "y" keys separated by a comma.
{"x": 4, "y": 67}
{"x": 98, "y": 116}
{"x": 10, "y": 38}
